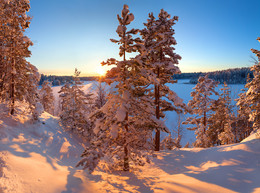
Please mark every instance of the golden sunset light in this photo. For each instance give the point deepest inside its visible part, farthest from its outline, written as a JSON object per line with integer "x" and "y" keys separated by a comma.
{"x": 129, "y": 96}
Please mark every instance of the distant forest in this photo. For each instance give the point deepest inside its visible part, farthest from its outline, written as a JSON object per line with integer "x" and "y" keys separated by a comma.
{"x": 60, "y": 80}
{"x": 230, "y": 76}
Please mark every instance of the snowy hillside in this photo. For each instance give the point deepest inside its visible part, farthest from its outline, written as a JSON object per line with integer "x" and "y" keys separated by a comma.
{"x": 40, "y": 158}
{"x": 36, "y": 157}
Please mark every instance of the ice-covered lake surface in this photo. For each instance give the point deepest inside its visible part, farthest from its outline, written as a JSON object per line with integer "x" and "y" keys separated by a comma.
{"x": 183, "y": 90}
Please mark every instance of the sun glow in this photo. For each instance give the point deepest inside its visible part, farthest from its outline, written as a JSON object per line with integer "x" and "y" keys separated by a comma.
{"x": 101, "y": 71}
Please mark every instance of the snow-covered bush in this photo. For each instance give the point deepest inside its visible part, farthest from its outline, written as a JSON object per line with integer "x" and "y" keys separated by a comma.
{"x": 37, "y": 111}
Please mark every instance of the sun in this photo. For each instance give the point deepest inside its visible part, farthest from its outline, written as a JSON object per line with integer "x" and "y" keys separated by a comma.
{"x": 100, "y": 71}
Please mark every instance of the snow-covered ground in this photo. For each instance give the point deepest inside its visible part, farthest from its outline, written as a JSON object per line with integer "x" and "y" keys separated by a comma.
{"x": 40, "y": 158}
{"x": 36, "y": 157}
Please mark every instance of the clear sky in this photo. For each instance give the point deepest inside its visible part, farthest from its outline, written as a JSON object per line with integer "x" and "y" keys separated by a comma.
{"x": 211, "y": 34}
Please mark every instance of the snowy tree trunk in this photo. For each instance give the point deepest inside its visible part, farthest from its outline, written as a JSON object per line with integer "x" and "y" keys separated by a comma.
{"x": 12, "y": 90}
{"x": 157, "y": 113}
{"x": 157, "y": 103}
{"x": 204, "y": 122}
{"x": 126, "y": 159}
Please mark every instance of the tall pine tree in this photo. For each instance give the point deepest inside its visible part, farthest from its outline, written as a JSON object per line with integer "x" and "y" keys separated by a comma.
{"x": 18, "y": 78}
{"x": 158, "y": 54}
{"x": 124, "y": 131}
{"x": 253, "y": 93}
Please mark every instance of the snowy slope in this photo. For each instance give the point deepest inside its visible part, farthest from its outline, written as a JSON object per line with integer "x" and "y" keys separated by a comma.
{"x": 39, "y": 158}
{"x": 230, "y": 168}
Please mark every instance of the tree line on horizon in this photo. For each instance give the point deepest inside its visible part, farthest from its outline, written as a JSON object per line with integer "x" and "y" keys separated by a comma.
{"x": 122, "y": 128}
{"x": 61, "y": 80}
{"x": 229, "y": 76}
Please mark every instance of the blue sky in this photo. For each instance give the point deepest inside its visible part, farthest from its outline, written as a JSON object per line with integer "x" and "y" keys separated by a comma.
{"x": 211, "y": 34}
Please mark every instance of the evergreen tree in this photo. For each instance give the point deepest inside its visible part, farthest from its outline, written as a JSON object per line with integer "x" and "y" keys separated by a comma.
{"x": 168, "y": 143}
{"x": 75, "y": 107}
{"x": 220, "y": 130}
{"x": 157, "y": 52}
{"x": 242, "y": 125}
{"x": 124, "y": 131}
{"x": 101, "y": 95}
{"x": 201, "y": 107}
{"x": 253, "y": 93}
{"x": 47, "y": 97}
{"x": 18, "y": 78}
{"x": 65, "y": 101}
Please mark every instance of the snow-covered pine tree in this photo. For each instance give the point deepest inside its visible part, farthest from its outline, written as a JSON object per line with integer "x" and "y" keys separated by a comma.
{"x": 168, "y": 143}
{"x": 18, "y": 78}
{"x": 75, "y": 107}
{"x": 161, "y": 62}
{"x": 47, "y": 97}
{"x": 253, "y": 93}
{"x": 65, "y": 104}
{"x": 101, "y": 94}
{"x": 65, "y": 101}
{"x": 124, "y": 132}
{"x": 83, "y": 105}
{"x": 242, "y": 125}
{"x": 201, "y": 107}
{"x": 220, "y": 130}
